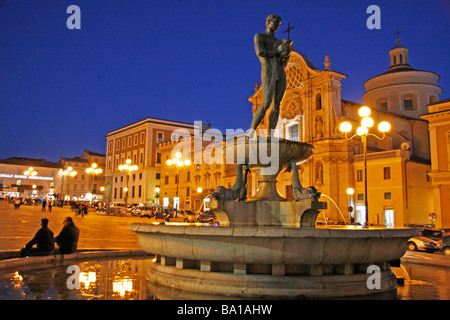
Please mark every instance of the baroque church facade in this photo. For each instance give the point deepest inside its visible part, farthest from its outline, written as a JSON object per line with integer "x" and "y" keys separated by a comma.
{"x": 399, "y": 191}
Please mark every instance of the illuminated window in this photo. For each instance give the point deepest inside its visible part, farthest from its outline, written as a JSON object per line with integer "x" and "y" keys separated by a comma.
{"x": 293, "y": 132}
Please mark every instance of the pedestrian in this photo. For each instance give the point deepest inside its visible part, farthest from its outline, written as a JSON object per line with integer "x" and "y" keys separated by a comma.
{"x": 67, "y": 239}
{"x": 50, "y": 206}
{"x": 17, "y": 202}
{"x": 43, "y": 240}
{"x": 44, "y": 204}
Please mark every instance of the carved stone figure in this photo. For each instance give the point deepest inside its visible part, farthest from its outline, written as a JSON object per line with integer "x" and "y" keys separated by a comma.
{"x": 238, "y": 190}
{"x": 298, "y": 192}
{"x": 273, "y": 54}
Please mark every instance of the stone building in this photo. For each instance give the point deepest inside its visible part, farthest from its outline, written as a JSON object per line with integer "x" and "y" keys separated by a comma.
{"x": 138, "y": 142}
{"x": 15, "y": 182}
{"x": 83, "y": 186}
{"x": 439, "y": 126}
{"x": 399, "y": 191}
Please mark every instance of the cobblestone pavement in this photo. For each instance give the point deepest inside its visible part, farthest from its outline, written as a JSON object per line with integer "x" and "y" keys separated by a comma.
{"x": 97, "y": 230}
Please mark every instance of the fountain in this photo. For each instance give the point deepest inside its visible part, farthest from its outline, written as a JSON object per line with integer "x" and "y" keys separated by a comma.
{"x": 267, "y": 246}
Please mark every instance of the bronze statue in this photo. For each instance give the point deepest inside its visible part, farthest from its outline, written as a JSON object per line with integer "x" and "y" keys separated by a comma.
{"x": 273, "y": 54}
{"x": 239, "y": 189}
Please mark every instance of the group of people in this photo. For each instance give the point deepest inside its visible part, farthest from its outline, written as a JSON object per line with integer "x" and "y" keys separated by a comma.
{"x": 67, "y": 240}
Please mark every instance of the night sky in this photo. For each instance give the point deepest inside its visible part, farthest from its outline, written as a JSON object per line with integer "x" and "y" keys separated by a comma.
{"x": 62, "y": 91}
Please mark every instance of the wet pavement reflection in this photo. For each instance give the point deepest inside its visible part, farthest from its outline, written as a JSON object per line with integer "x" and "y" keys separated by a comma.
{"x": 126, "y": 279}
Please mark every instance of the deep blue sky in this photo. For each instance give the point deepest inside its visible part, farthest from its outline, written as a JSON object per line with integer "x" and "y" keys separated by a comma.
{"x": 62, "y": 91}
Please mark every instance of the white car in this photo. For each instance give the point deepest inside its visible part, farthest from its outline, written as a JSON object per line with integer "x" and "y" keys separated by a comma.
{"x": 423, "y": 243}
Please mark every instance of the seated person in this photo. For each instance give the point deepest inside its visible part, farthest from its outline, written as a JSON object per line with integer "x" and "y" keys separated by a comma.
{"x": 67, "y": 239}
{"x": 43, "y": 241}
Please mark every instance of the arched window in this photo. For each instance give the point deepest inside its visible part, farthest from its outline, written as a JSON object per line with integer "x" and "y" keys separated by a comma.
{"x": 318, "y": 101}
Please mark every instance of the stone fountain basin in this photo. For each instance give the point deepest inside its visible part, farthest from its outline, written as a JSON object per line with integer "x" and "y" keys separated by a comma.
{"x": 251, "y": 151}
{"x": 274, "y": 245}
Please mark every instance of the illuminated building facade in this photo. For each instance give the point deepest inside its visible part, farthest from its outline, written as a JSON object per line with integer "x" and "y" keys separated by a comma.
{"x": 439, "y": 126}
{"x": 399, "y": 190}
{"x": 15, "y": 183}
{"x": 138, "y": 142}
{"x": 81, "y": 185}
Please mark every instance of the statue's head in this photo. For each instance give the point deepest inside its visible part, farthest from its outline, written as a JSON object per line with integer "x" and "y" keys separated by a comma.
{"x": 273, "y": 18}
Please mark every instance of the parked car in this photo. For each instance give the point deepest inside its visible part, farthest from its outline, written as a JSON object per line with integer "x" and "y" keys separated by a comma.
{"x": 187, "y": 215}
{"x": 423, "y": 243}
{"x": 116, "y": 208}
{"x": 435, "y": 234}
{"x": 444, "y": 245}
{"x": 165, "y": 214}
{"x": 145, "y": 211}
{"x": 207, "y": 216}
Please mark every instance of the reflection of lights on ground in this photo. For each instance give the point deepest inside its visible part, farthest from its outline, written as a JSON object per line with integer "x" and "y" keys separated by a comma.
{"x": 87, "y": 278}
{"x": 122, "y": 286}
{"x": 198, "y": 224}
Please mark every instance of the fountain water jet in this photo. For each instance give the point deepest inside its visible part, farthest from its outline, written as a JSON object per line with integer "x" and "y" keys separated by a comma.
{"x": 324, "y": 195}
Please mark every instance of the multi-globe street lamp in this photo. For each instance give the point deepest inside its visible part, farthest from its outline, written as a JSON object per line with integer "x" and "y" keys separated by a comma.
{"x": 363, "y": 132}
{"x": 94, "y": 171}
{"x": 69, "y": 173}
{"x": 178, "y": 163}
{"x": 128, "y": 168}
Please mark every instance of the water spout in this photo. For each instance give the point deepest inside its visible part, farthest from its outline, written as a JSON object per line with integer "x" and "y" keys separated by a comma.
{"x": 335, "y": 206}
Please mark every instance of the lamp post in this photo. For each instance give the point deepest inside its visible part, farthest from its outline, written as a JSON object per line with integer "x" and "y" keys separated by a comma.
{"x": 363, "y": 132}
{"x": 178, "y": 163}
{"x": 157, "y": 190}
{"x": 70, "y": 173}
{"x": 128, "y": 168}
{"x": 30, "y": 172}
{"x": 94, "y": 171}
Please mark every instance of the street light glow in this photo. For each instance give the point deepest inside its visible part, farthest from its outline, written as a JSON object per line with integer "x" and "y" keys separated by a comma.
{"x": 362, "y": 131}
{"x": 367, "y": 122}
{"x": 384, "y": 126}
{"x": 345, "y": 127}
{"x": 364, "y": 111}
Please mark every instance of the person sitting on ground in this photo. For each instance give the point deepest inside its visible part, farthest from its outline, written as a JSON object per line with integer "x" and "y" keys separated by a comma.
{"x": 67, "y": 239}
{"x": 43, "y": 241}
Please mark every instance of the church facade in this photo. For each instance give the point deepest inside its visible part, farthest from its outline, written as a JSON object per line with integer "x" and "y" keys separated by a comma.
{"x": 399, "y": 191}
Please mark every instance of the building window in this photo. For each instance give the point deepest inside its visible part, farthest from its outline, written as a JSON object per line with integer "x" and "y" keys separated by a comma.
{"x": 359, "y": 175}
{"x": 140, "y": 176}
{"x": 158, "y": 176}
{"x": 135, "y": 139}
{"x": 188, "y": 176}
{"x": 132, "y": 191}
{"x": 129, "y": 141}
{"x": 360, "y": 197}
{"x": 188, "y": 192}
{"x": 140, "y": 191}
{"x": 318, "y": 101}
{"x": 408, "y": 104}
{"x": 293, "y": 132}
{"x": 387, "y": 196}
{"x": 142, "y": 137}
{"x": 115, "y": 193}
{"x": 384, "y": 106}
{"x": 160, "y": 137}
{"x": 387, "y": 173}
{"x": 166, "y": 180}
{"x": 158, "y": 157}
